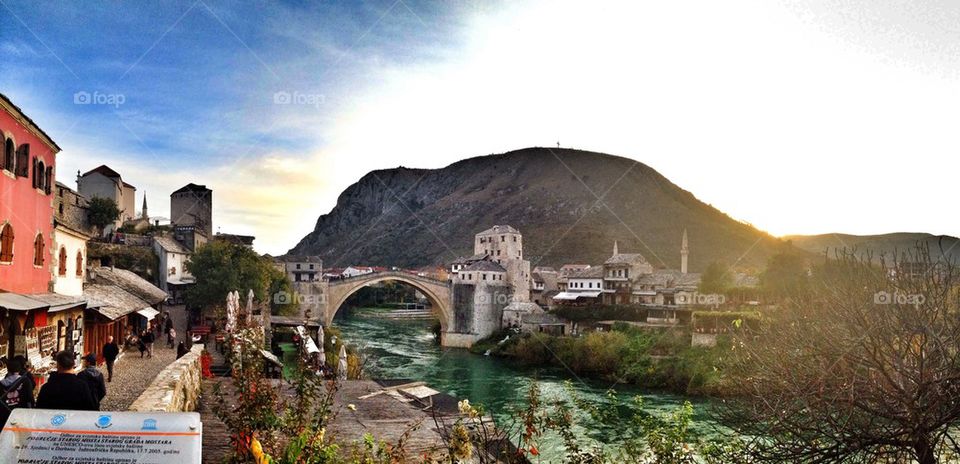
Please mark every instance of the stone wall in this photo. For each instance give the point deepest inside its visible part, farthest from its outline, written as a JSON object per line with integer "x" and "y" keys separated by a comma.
{"x": 176, "y": 388}
{"x": 702, "y": 339}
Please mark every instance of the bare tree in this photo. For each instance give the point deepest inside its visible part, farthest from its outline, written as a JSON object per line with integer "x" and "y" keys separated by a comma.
{"x": 862, "y": 366}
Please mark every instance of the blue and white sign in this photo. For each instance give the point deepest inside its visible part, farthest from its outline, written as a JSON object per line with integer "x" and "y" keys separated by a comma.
{"x": 43, "y": 435}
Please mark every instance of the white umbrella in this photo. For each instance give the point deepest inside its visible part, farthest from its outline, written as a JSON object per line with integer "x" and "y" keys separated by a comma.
{"x": 323, "y": 356}
{"x": 249, "y": 305}
{"x": 231, "y": 315}
{"x": 342, "y": 368}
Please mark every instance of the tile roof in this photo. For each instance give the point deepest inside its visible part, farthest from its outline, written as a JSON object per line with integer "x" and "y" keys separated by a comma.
{"x": 112, "y": 301}
{"x": 129, "y": 282}
{"x": 499, "y": 229}
{"x": 103, "y": 169}
{"x": 485, "y": 266}
{"x": 592, "y": 272}
{"x": 626, "y": 258}
{"x": 191, "y": 187}
{"x": 170, "y": 245}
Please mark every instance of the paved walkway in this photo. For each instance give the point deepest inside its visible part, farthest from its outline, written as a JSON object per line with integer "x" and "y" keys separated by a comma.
{"x": 132, "y": 374}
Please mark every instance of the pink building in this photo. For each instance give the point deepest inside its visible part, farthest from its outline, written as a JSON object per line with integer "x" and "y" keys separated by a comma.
{"x": 27, "y": 173}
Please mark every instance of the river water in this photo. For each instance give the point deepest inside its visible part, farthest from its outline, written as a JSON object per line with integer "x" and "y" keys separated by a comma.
{"x": 406, "y": 349}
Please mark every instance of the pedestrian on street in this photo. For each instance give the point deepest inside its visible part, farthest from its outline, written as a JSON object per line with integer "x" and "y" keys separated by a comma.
{"x": 148, "y": 340}
{"x": 17, "y": 390}
{"x": 167, "y": 321}
{"x": 93, "y": 377}
{"x": 140, "y": 344}
{"x": 28, "y": 377}
{"x": 64, "y": 390}
{"x": 171, "y": 337}
{"x": 110, "y": 352}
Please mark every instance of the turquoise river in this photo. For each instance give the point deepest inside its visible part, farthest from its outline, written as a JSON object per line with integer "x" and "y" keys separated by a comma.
{"x": 406, "y": 349}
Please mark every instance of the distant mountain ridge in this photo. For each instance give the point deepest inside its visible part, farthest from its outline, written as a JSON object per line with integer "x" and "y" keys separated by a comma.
{"x": 570, "y": 205}
{"x": 887, "y": 245}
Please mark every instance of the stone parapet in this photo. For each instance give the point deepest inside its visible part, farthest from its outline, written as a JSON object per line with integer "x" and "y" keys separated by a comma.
{"x": 176, "y": 388}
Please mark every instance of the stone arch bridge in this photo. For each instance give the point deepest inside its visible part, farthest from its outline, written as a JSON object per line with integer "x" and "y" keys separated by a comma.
{"x": 320, "y": 301}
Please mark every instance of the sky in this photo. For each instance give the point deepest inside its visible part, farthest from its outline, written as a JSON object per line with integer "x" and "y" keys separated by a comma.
{"x": 799, "y": 117}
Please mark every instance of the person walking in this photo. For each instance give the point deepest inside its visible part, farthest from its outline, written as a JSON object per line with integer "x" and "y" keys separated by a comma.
{"x": 28, "y": 378}
{"x": 171, "y": 337}
{"x": 93, "y": 377}
{"x": 141, "y": 345}
{"x": 110, "y": 352}
{"x": 17, "y": 390}
{"x": 64, "y": 390}
{"x": 148, "y": 339}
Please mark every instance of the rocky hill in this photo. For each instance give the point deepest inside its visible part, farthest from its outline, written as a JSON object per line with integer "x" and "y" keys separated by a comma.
{"x": 879, "y": 245}
{"x": 570, "y": 206}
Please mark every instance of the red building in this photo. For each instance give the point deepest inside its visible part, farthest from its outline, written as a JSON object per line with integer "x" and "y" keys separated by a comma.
{"x": 27, "y": 173}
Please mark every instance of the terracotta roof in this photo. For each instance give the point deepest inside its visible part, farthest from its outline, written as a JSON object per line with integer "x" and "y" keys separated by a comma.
{"x": 129, "y": 282}
{"x": 103, "y": 169}
{"x": 485, "y": 266}
{"x": 43, "y": 135}
{"x": 170, "y": 245}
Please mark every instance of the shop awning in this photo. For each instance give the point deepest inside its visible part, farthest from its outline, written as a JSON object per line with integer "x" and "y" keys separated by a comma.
{"x": 148, "y": 313}
{"x": 271, "y": 357}
{"x": 18, "y": 302}
{"x": 575, "y": 295}
{"x": 59, "y": 302}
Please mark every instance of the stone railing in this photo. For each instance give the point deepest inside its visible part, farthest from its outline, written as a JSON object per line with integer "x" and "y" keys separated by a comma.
{"x": 176, "y": 388}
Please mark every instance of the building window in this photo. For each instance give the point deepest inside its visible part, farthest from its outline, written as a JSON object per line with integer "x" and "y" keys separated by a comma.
{"x": 9, "y": 156}
{"x": 298, "y": 266}
{"x": 23, "y": 159}
{"x": 62, "y": 264}
{"x": 38, "y": 250}
{"x": 503, "y": 238}
{"x": 79, "y": 264}
{"x": 6, "y": 244}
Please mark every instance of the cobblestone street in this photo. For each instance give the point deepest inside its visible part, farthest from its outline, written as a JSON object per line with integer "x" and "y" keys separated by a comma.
{"x": 132, "y": 374}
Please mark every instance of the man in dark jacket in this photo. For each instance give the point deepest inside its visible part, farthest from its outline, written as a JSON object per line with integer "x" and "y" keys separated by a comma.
{"x": 147, "y": 340}
{"x": 64, "y": 390}
{"x": 93, "y": 377}
{"x": 110, "y": 352}
{"x": 17, "y": 390}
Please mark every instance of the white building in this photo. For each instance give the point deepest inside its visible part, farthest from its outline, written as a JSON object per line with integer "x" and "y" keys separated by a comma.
{"x": 70, "y": 252}
{"x": 173, "y": 265}
{"x": 583, "y": 286}
{"x": 104, "y": 182}
{"x": 303, "y": 268}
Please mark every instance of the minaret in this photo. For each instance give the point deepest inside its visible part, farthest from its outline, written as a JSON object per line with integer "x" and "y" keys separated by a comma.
{"x": 684, "y": 251}
{"x": 615, "y": 252}
{"x": 143, "y": 212}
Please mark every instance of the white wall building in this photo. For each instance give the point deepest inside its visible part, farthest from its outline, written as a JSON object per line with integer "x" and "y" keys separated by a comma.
{"x": 104, "y": 182}
{"x": 303, "y": 268}
{"x": 70, "y": 258}
{"x": 173, "y": 264}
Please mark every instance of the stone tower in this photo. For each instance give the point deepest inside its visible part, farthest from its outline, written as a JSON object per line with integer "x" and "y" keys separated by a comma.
{"x": 684, "y": 251}
{"x": 192, "y": 205}
{"x": 503, "y": 245}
